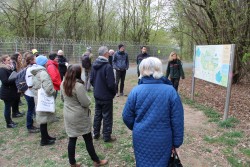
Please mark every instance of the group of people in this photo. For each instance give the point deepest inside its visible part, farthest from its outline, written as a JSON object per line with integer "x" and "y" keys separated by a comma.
{"x": 153, "y": 110}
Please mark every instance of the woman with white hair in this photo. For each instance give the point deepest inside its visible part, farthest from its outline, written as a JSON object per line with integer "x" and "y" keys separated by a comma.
{"x": 154, "y": 113}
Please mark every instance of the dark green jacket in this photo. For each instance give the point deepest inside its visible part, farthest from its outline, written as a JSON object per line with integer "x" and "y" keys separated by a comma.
{"x": 175, "y": 69}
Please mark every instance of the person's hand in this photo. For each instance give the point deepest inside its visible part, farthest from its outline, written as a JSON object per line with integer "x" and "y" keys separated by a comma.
{"x": 66, "y": 64}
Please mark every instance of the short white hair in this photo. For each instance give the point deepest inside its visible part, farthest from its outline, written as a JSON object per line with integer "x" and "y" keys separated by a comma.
{"x": 111, "y": 51}
{"x": 151, "y": 66}
{"x": 60, "y": 53}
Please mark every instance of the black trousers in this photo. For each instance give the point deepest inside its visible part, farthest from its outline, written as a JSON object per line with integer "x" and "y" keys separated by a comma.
{"x": 120, "y": 75}
{"x": 62, "y": 74}
{"x": 89, "y": 146}
{"x": 44, "y": 132}
{"x": 15, "y": 106}
{"x": 103, "y": 110}
{"x": 175, "y": 82}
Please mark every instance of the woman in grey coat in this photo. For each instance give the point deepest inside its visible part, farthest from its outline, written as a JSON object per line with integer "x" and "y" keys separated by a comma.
{"x": 40, "y": 79}
{"x": 77, "y": 118}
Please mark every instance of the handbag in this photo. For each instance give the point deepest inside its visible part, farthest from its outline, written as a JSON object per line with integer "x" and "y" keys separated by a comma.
{"x": 45, "y": 103}
{"x": 12, "y": 76}
{"x": 174, "y": 160}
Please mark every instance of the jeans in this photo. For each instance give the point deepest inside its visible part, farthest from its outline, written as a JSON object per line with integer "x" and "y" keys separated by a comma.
{"x": 7, "y": 111}
{"x": 120, "y": 75}
{"x": 31, "y": 110}
{"x": 103, "y": 110}
{"x": 175, "y": 82}
{"x": 87, "y": 79}
{"x": 89, "y": 146}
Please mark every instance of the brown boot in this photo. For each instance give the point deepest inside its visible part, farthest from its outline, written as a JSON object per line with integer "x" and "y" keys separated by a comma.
{"x": 75, "y": 165}
{"x": 101, "y": 163}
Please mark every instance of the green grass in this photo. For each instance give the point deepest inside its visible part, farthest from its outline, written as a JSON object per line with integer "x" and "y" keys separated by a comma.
{"x": 234, "y": 134}
{"x": 227, "y": 138}
{"x": 229, "y": 123}
{"x": 221, "y": 140}
{"x": 246, "y": 151}
{"x": 234, "y": 161}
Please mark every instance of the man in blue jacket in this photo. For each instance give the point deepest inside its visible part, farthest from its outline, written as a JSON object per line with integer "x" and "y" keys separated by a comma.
{"x": 103, "y": 80}
{"x": 120, "y": 64}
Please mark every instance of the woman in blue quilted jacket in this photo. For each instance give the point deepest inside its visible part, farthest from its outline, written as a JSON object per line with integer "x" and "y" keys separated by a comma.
{"x": 154, "y": 113}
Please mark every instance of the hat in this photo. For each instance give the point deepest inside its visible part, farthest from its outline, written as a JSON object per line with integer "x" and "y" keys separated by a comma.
{"x": 41, "y": 60}
{"x": 60, "y": 52}
{"x": 34, "y": 51}
{"x": 52, "y": 56}
{"x": 119, "y": 46}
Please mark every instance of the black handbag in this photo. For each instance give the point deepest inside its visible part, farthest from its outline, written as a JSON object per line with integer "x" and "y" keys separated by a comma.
{"x": 174, "y": 160}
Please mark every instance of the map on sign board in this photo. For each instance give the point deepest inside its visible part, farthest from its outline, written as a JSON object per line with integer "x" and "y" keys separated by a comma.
{"x": 212, "y": 63}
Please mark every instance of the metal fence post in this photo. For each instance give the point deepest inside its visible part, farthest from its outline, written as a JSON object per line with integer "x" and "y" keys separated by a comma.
{"x": 193, "y": 78}
{"x": 229, "y": 84}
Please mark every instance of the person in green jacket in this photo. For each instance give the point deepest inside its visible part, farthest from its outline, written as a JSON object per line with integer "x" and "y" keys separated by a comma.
{"x": 175, "y": 70}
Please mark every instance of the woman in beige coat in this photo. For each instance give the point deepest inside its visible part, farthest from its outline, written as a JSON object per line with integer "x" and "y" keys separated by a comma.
{"x": 77, "y": 118}
{"x": 40, "y": 79}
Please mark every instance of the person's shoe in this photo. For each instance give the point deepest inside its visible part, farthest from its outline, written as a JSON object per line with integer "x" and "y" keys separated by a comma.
{"x": 17, "y": 115}
{"x": 111, "y": 139}
{"x": 47, "y": 142}
{"x": 101, "y": 163}
{"x": 117, "y": 95}
{"x": 96, "y": 137}
{"x": 33, "y": 130}
{"x": 51, "y": 138}
{"x": 11, "y": 125}
{"x": 75, "y": 165}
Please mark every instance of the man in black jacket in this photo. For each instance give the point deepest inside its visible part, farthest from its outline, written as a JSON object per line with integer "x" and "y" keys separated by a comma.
{"x": 140, "y": 57}
{"x": 62, "y": 63}
{"x": 103, "y": 81}
{"x": 121, "y": 65}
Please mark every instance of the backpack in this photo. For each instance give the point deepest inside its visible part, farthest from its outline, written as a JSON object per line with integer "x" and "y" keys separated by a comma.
{"x": 21, "y": 81}
{"x": 86, "y": 63}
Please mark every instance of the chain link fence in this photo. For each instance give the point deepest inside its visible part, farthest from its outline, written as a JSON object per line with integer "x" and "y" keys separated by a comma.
{"x": 73, "y": 50}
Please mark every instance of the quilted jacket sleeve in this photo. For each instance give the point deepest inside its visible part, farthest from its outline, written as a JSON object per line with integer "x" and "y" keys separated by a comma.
{"x": 128, "y": 114}
{"x": 177, "y": 119}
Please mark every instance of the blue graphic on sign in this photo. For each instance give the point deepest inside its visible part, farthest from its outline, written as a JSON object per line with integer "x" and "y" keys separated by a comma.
{"x": 218, "y": 77}
{"x": 198, "y": 52}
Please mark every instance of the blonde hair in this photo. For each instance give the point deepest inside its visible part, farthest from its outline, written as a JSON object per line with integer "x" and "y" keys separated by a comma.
{"x": 3, "y": 58}
{"x": 170, "y": 58}
{"x": 151, "y": 66}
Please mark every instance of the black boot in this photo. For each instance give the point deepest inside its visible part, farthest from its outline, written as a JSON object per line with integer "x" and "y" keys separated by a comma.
{"x": 45, "y": 136}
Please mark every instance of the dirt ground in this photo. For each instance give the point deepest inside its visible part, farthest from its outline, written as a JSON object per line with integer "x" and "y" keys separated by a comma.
{"x": 195, "y": 152}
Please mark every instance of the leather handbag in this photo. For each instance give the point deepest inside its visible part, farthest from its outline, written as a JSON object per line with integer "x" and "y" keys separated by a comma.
{"x": 174, "y": 160}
